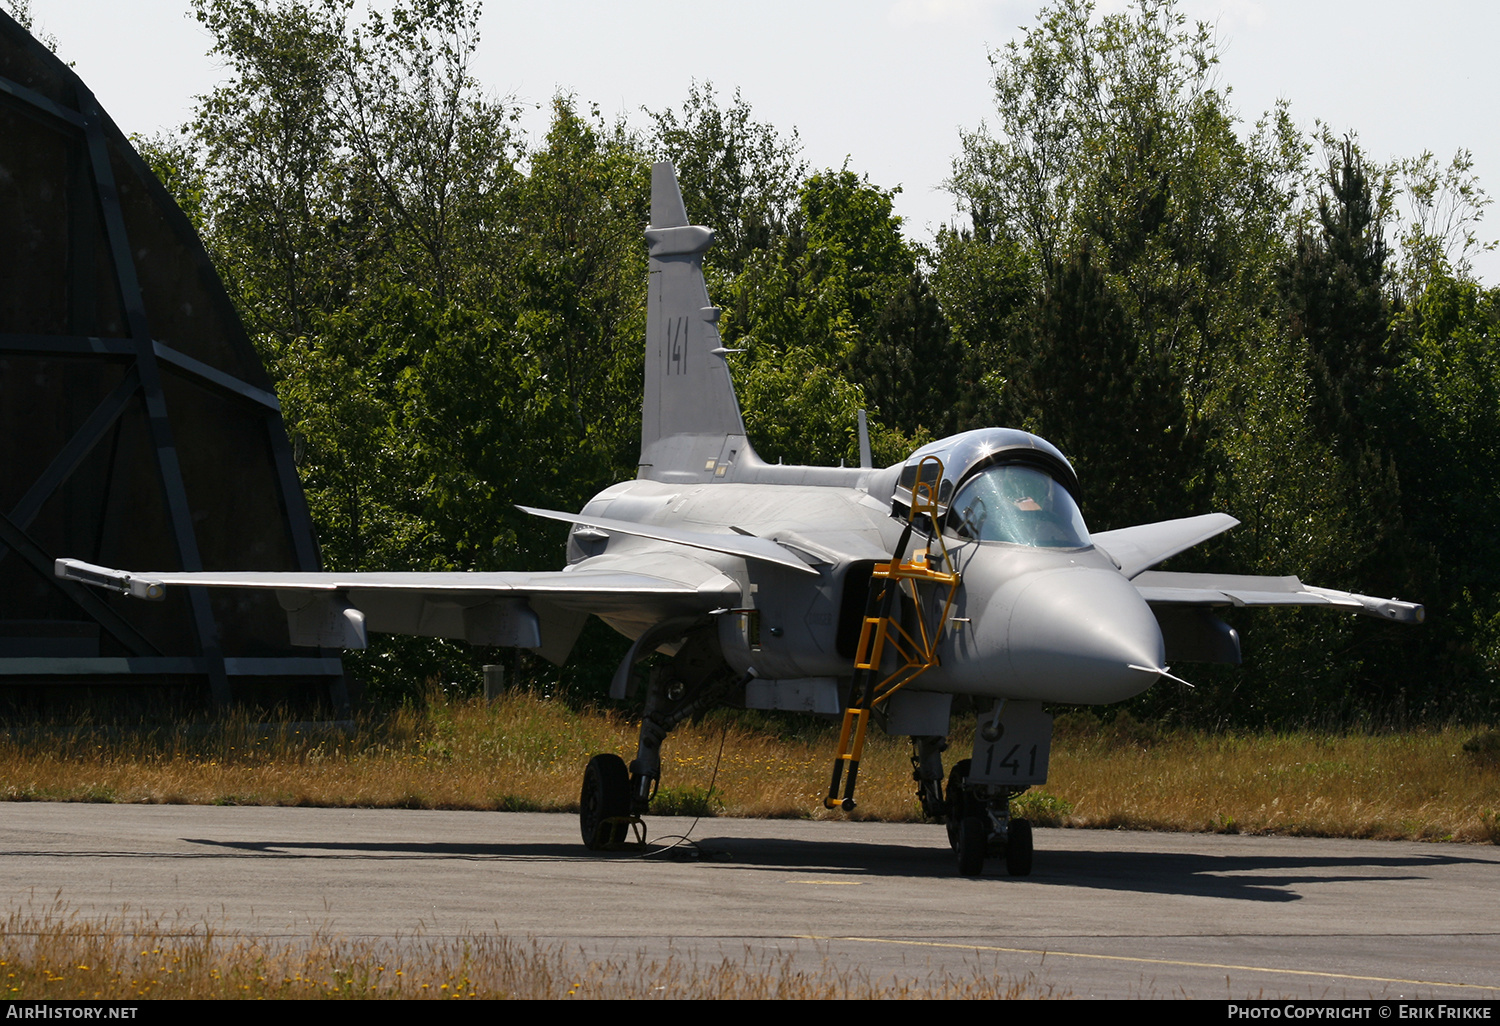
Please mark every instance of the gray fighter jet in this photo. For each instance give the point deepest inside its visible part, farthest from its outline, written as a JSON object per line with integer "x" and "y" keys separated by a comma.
{"x": 962, "y": 580}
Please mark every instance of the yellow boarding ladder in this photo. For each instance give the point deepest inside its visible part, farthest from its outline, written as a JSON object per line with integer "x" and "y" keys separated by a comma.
{"x": 915, "y": 653}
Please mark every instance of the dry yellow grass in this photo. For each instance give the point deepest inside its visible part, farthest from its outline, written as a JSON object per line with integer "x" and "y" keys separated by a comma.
{"x": 522, "y": 752}
{"x": 54, "y": 955}
{"x": 1417, "y": 785}
{"x": 527, "y": 752}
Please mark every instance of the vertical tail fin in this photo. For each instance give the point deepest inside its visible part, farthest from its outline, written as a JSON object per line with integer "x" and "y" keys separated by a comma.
{"x": 691, "y": 429}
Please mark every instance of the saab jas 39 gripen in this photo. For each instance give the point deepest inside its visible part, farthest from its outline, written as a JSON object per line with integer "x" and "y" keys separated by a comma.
{"x": 965, "y": 572}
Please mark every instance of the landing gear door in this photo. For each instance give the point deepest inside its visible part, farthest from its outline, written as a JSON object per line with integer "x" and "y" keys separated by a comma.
{"x": 1017, "y": 757}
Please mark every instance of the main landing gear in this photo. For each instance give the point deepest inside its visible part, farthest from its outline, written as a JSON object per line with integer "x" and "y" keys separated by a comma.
{"x": 614, "y": 796}
{"x": 980, "y": 826}
{"x": 604, "y": 805}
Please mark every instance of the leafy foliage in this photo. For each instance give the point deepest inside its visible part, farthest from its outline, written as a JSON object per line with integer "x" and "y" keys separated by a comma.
{"x": 1199, "y": 316}
{"x": 839, "y": 313}
{"x": 1083, "y": 383}
{"x": 1451, "y": 383}
{"x": 1337, "y": 299}
{"x": 1445, "y": 206}
{"x": 1120, "y": 175}
{"x": 737, "y": 174}
{"x": 452, "y": 328}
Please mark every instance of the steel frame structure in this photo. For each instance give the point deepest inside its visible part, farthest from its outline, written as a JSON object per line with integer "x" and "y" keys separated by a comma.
{"x": 137, "y": 423}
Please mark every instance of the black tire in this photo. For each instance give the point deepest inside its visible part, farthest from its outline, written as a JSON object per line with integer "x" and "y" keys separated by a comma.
{"x": 1018, "y": 848}
{"x": 605, "y": 796}
{"x": 956, "y": 800}
{"x": 973, "y": 845}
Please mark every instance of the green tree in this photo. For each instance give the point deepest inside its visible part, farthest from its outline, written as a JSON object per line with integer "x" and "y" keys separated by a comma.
{"x": 283, "y": 228}
{"x": 1338, "y": 301}
{"x": 1445, "y": 206}
{"x": 445, "y": 324}
{"x": 1081, "y": 381}
{"x": 1114, "y": 141}
{"x": 1339, "y": 310}
{"x": 738, "y": 176}
{"x": 984, "y": 283}
{"x": 1448, "y": 447}
{"x": 578, "y": 267}
{"x": 840, "y": 313}
{"x": 875, "y": 300}
{"x": 340, "y": 154}
{"x": 175, "y": 162}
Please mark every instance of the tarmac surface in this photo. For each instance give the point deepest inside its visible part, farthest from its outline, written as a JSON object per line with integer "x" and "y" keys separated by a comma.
{"x": 1104, "y": 913}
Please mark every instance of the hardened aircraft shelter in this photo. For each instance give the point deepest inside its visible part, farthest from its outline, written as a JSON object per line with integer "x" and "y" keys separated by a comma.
{"x": 137, "y": 425}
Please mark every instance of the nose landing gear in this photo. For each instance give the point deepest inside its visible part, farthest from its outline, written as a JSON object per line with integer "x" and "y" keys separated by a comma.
{"x": 1012, "y": 742}
{"x": 980, "y": 825}
{"x": 978, "y": 839}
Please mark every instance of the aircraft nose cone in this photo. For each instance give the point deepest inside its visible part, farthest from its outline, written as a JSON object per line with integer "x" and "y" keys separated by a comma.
{"x": 1078, "y": 632}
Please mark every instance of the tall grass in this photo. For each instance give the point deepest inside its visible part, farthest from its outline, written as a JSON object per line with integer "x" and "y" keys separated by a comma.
{"x": 1416, "y": 785}
{"x": 527, "y": 752}
{"x": 54, "y": 954}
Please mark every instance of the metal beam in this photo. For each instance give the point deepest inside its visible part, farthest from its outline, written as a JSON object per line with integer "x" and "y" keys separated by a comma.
{"x": 75, "y": 452}
{"x": 65, "y": 345}
{"x": 33, "y": 102}
{"x": 168, "y": 466}
{"x": 80, "y": 666}
{"x": 215, "y": 378}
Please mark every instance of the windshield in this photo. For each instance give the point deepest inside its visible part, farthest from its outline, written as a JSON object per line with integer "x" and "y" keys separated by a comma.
{"x": 1017, "y": 504}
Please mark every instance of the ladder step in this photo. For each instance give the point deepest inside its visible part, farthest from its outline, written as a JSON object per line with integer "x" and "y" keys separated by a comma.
{"x": 914, "y": 653}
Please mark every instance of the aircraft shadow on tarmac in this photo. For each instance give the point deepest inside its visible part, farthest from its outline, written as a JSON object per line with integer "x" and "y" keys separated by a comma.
{"x": 1249, "y": 877}
{"x": 390, "y": 850}
{"x": 1258, "y": 877}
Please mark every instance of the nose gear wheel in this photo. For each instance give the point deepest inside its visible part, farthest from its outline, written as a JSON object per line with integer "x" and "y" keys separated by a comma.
{"x": 957, "y": 801}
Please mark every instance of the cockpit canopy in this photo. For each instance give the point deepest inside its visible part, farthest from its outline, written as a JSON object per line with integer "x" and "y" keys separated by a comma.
{"x": 1008, "y": 502}
{"x": 998, "y": 484}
